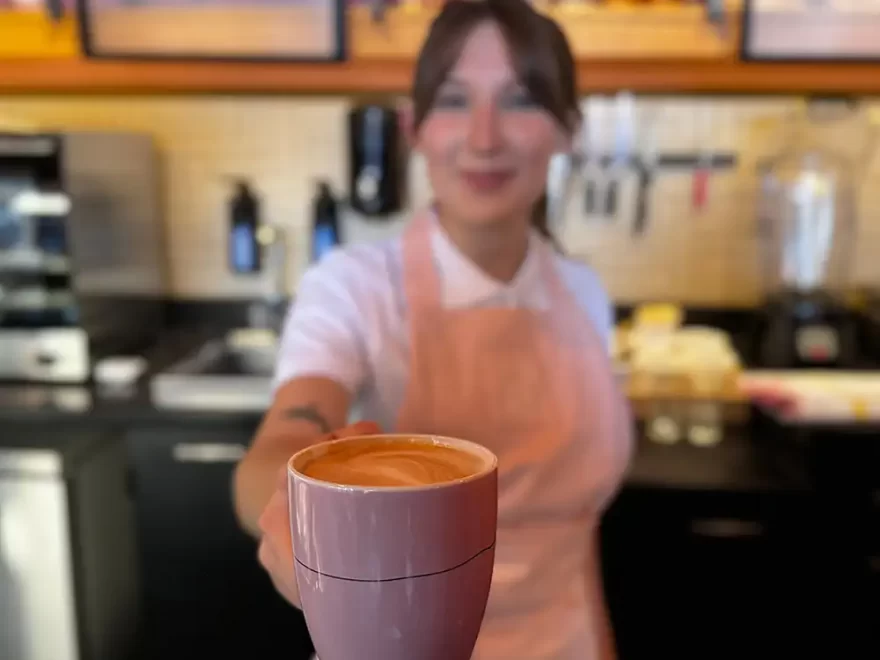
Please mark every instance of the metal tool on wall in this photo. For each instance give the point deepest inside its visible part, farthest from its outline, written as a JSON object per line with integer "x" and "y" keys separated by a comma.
{"x": 593, "y": 169}
{"x": 623, "y": 145}
{"x": 651, "y": 161}
{"x": 703, "y": 171}
{"x": 604, "y": 171}
{"x": 647, "y": 167}
{"x": 559, "y": 177}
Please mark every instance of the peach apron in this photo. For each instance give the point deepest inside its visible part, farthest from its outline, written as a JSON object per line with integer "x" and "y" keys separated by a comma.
{"x": 537, "y": 388}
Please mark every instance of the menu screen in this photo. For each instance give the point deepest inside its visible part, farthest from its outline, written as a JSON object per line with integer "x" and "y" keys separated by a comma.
{"x": 816, "y": 30}
{"x": 226, "y": 29}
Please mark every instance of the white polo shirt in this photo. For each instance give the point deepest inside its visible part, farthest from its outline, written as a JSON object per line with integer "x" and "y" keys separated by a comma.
{"x": 349, "y": 320}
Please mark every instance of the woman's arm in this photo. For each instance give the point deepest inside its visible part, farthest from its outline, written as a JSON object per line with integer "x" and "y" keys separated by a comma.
{"x": 303, "y": 410}
{"x": 321, "y": 364}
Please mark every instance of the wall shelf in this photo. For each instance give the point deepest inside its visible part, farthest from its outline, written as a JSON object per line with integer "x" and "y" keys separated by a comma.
{"x": 725, "y": 76}
{"x": 662, "y": 47}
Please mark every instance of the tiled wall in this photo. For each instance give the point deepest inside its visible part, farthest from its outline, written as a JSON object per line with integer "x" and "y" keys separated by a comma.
{"x": 284, "y": 144}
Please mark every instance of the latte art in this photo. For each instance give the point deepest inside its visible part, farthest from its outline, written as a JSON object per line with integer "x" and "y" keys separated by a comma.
{"x": 399, "y": 463}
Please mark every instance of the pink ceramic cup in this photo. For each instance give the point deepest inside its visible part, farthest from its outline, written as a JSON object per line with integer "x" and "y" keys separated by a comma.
{"x": 394, "y": 573}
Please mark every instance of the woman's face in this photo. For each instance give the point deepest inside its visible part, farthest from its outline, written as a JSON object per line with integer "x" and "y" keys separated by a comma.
{"x": 487, "y": 145}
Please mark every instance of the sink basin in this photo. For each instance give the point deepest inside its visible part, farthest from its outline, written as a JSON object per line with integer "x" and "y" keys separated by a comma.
{"x": 253, "y": 351}
{"x": 233, "y": 373}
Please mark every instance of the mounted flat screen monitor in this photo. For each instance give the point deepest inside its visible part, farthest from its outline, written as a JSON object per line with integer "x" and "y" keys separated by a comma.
{"x": 811, "y": 30}
{"x": 263, "y": 30}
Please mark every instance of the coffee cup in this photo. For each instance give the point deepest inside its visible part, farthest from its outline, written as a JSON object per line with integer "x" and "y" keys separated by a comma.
{"x": 394, "y": 545}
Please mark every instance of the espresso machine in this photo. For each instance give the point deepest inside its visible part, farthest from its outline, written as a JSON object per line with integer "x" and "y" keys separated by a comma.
{"x": 81, "y": 251}
{"x": 806, "y": 220}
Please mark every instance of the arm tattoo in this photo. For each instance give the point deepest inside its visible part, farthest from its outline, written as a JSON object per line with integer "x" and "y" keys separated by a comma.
{"x": 308, "y": 413}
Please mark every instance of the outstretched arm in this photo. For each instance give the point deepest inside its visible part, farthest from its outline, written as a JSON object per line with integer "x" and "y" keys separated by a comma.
{"x": 304, "y": 410}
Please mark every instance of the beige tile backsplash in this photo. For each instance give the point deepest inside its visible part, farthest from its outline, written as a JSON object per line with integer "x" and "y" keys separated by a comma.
{"x": 284, "y": 144}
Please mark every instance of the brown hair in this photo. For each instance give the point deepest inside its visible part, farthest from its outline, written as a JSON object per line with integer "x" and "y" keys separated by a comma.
{"x": 539, "y": 52}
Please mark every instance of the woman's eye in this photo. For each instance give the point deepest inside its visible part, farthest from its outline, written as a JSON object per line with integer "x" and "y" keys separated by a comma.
{"x": 450, "y": 100}
{"x": 520, "y": 101}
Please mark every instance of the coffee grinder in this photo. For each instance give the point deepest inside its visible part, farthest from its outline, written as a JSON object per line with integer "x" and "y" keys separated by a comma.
{"x": 806, "y": 227}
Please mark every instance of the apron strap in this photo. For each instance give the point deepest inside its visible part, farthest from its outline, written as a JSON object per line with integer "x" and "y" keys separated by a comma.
{"x": 420, "y": 277}
{"x": 567, "y": 311}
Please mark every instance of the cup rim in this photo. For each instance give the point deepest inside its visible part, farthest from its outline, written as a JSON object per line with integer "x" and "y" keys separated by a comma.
{"x": 491, "y": 462}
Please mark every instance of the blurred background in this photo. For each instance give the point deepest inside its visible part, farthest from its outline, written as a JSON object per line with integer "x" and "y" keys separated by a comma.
{"x": 169, "y": 169}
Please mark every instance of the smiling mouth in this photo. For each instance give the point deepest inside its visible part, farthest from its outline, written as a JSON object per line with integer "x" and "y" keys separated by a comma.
{"x": 485, "y": 182}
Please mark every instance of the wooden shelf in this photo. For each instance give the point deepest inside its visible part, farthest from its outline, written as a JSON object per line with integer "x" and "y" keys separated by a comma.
{"x": 78, "y": 76}
{"x": 730, "y": 76}
{"x": 126, "y": 76}
{"x": 664, "y": 47}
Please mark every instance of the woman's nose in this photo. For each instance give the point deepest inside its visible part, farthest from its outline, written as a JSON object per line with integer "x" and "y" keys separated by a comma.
{"x": 484, "y": 130}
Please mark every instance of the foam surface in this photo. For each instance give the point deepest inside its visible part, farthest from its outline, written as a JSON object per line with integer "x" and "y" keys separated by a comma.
{"x": 398, "y": 463}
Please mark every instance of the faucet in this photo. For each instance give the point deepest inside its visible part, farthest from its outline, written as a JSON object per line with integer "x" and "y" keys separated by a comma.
{"x": 267, "y": 313}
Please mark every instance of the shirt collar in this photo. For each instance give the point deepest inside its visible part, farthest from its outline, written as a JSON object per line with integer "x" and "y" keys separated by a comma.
{"x": 463, "y": 284}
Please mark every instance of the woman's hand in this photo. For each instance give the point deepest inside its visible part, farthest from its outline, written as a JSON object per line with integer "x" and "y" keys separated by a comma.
{"x": 276, "y": 548}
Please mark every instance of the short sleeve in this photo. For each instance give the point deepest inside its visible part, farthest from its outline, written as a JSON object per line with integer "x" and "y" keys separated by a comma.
{"x": 587, "y": 288}
{"x": 324, "y": 330}
{"x": 602, "y": 311}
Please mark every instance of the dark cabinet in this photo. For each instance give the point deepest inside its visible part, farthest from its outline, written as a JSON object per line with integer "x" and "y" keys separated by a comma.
{"x": 846, "y": 468}
{"x": 698, "y": 574}
{"x": 204, "y": 592}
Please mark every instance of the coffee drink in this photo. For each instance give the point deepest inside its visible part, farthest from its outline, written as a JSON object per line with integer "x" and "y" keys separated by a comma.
{"x": 373, "y": 532}
{"x": 397, "y": 462}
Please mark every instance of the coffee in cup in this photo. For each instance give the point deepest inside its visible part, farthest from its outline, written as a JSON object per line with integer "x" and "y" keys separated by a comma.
{"x": 394, "y": 545}
{"x": 396, "y": 462}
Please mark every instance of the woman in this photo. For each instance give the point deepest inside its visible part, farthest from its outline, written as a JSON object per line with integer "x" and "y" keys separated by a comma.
{"x": 471, "y": 325}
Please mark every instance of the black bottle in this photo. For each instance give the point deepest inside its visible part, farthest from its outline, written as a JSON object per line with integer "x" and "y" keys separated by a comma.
{"x": 244, "y": 222}
{"x": 325, "y": 222}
